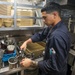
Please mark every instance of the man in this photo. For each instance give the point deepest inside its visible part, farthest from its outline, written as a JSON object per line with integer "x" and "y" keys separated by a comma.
{"x": 57, "y": 42}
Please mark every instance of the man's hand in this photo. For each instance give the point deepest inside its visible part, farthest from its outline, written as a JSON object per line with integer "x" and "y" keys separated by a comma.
{"x": 26, "y": 62}
{"x": 24, "y": 46}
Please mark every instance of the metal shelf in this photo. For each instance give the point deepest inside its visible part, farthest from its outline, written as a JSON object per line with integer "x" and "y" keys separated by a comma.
{"x": 26, "y": 5}
{"x": 15, "y": 17}
{"x": 6, "y": 71}
{"x": 28, "y": 17}
{"x": 21, "y": 17}
{"x": 6, "y": 3}
{"x": 4, "y": 16}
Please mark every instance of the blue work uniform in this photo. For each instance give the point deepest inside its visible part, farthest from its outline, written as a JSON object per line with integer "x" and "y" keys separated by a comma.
{"x": 56, "y": 50}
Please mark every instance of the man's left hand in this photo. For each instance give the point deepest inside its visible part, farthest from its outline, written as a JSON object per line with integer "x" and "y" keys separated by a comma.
{"x": 26, "y": 62}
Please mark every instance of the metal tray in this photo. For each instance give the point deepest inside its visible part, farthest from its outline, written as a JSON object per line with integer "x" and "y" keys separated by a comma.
{"x": 35, "y": 50}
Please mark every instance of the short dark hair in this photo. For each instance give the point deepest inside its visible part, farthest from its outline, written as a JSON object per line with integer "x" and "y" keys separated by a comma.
{"x": 52, "y": 6}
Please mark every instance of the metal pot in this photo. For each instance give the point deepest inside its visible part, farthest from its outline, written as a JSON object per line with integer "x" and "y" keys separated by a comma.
{"x": 12, "y": 62}
{"x": 10, "y": 48}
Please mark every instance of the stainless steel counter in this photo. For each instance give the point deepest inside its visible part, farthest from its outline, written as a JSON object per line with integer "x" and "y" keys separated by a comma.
{"x": 7, "y": 71}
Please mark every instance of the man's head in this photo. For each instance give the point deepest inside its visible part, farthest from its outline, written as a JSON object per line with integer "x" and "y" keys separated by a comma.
{"x": 51, "y": 13}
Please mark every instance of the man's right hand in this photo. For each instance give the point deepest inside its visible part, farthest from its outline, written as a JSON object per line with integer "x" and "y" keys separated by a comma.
{"x": 23, "y": 46}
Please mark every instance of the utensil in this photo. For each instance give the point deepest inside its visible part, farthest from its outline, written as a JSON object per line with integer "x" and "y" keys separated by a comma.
{"x": 1, "y": 55}
{"x": 12, "y": 62}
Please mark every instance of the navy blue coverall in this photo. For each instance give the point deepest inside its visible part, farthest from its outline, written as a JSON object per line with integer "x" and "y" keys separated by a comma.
{"x": 56, "y": 51}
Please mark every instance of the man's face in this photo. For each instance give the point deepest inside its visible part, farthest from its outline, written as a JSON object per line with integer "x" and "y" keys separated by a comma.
{"x": 48, "y": 19}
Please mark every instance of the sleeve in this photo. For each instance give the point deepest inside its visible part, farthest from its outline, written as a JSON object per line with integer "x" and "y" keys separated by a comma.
{"x": 40, "y": 35}
{"x": 57, "y": 59}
